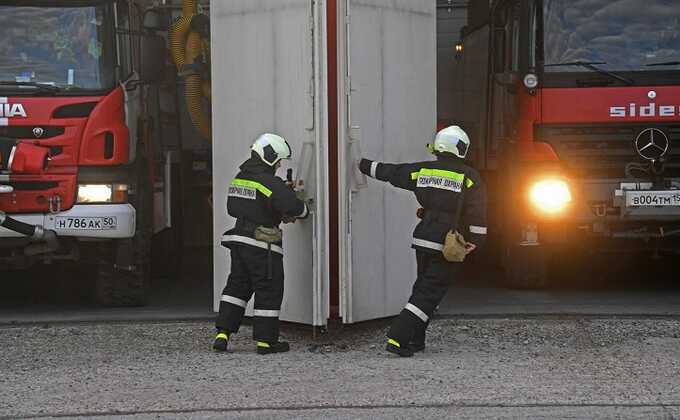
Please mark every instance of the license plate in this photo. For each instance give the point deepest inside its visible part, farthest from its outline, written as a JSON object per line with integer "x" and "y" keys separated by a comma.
{"x": 86, "y": 223}
{"x": 652, "y": 198}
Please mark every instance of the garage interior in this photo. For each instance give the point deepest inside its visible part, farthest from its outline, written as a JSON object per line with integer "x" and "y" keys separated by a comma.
{"x": 183, "y": 266}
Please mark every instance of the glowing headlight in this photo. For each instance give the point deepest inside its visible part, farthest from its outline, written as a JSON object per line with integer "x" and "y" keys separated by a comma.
{"x": 550, "y": 195}
{"x": 102, "y": 193}
{"x": 94, "y": 193}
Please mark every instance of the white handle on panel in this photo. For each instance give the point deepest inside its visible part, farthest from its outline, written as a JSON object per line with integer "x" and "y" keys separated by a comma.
{"x": 358, "y": 180}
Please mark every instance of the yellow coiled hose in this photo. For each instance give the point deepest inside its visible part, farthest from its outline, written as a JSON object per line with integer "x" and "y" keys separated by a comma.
{"x": 189, "y": 7}
{"x": 194, "y": 88}
{"x": 186, "y": 47}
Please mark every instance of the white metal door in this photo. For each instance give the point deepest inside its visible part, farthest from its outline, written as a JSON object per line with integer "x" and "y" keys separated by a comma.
{"x": 268, "y": 75}
{"x": 389, "y": 114}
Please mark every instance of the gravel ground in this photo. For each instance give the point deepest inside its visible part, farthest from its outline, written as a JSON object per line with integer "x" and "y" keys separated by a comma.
{"x": 472, "y": 368}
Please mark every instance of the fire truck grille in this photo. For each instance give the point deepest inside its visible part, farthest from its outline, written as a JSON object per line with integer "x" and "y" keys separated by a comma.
{"x": 603, "y": 151}
{"x": 25, "y": 132}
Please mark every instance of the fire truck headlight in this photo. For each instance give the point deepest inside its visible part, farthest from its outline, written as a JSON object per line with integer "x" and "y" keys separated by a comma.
{"x": 531, "y": 81}
{"x": 102, "y": 193}
{"x": 551, "y": 196}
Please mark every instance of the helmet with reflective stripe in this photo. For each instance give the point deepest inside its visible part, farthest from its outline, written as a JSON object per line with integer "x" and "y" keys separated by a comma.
{"x": 271, "y": 148}
{"x": 452, "y": 139}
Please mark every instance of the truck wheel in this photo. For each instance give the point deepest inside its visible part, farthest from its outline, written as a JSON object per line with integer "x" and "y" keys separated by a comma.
{"x": 525, "y": 267}
{"x": 123, "y": 286}
{"x": 124, "y": 269}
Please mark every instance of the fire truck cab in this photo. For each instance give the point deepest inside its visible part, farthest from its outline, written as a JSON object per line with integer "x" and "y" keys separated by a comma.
{"x": 579, "y": 134}
{"x": 74, "y": 82}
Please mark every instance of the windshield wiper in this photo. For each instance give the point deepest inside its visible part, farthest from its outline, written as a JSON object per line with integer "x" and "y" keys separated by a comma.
{"x": 664, "y": 63}
{"x": 590, "y": 65}
{"x": 44, "y": 87}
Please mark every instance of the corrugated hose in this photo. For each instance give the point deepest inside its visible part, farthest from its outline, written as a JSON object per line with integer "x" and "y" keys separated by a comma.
{"x": 186, "y": 48}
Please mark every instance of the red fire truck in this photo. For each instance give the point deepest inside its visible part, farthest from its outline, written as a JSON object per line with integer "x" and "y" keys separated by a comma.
{"x": 579, "y": 134}
{"x": 75, "y": 174}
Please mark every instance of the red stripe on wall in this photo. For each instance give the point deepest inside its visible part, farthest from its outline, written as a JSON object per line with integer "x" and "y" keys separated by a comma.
{"x": 333, "y": 157}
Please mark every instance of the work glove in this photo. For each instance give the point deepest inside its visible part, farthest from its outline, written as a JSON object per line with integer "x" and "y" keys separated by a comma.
{"x": 469, "y": 247}
{"x": 365, "y": 166}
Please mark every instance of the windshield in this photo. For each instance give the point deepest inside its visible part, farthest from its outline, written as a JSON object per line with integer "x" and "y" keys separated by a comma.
{"x": 69, "y": 47}
{"x": 615, "y": 35}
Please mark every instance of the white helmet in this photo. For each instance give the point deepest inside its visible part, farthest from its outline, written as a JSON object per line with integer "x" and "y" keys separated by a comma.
{"x": 452, "y": 139}
{"x": 271, "y": 148}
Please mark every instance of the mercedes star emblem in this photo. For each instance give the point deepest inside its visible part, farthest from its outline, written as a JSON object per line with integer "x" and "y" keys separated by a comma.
{"x": 651, "y": 144}
{"x": 38, "y": 132}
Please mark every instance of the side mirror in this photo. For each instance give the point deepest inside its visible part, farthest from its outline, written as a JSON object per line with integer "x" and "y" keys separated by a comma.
{"x": 153, "y": 58}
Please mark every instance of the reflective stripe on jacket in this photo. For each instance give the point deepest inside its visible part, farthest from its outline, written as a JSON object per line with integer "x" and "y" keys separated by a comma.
{"x": 257, "y": 197}
{"x": 438, "y": 186}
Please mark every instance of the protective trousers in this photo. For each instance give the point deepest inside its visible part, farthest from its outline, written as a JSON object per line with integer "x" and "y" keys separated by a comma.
{"x": 249, "y": 275}
{"x": 435, "y": 275}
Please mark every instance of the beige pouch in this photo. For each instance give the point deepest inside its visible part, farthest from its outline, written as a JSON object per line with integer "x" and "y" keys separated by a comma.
{"x": 268, "y": 235}
{"x": 454, "y": 247}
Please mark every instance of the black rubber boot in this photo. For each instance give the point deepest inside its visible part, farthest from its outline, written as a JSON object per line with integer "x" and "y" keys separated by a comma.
{"x": 396, "y": 348}
{"x": 268, "y": 348}
{"x": 417, "y": 343}
{"x": 221, "y": 341}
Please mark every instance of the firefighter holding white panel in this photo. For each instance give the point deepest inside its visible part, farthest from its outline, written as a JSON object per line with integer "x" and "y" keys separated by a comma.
{"x": 260, "y": 201}
{"x": 453, "y": 200}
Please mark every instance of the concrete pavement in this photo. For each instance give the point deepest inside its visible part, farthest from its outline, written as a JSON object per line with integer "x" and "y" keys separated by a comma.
{"x": 473, "y": 368}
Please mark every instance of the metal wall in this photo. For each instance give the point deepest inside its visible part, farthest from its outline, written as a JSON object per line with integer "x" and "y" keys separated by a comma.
{"x": 268, "y": 76}
{"x": 268, "y": 58}
{"x": 388, "y": 58}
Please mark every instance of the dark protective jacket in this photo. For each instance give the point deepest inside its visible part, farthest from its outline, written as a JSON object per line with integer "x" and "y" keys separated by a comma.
{"x": 438, "y": 186}
{"x": 257, "y": 197}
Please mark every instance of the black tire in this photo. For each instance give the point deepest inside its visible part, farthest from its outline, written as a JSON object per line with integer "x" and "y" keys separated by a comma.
{"x": 525, "y": 267}
{"x": 123, "y": 286}
{"x": 124, "y": 266}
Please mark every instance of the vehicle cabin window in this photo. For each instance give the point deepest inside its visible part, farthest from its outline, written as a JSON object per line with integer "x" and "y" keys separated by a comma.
{"x": 68, "y": 47}
{"x": 622, "y": 36}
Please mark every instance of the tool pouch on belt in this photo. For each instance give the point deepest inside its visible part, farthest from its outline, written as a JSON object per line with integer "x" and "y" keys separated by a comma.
{"x": 270, "y": 236}
{"x": 454, "y": 244}
{"x": 454, "y": 247}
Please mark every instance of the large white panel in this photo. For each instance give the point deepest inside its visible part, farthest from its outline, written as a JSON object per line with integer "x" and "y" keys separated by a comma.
{"x": 264, "y": 79}
{"x": 390, "y": 68}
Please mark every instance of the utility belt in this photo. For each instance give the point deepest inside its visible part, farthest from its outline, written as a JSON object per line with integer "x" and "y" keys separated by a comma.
{"x": 454, "y": 248}
{"x": 246, "y": 226}
{"x": 268, "y": 235}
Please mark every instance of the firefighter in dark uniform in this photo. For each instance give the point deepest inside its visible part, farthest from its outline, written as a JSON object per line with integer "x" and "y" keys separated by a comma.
{"x": 260, "y": 201}
{"x": 446, "y": 189}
